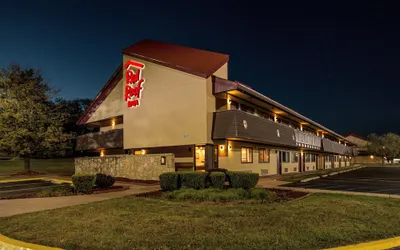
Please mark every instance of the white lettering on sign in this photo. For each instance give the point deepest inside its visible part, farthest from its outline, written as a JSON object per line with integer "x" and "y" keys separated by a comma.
{"x": 277, "y": 133}
{"x": 245, "y": 124}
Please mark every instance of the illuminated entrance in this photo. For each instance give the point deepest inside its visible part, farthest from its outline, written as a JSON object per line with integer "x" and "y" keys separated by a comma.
{"x": 200, "y": 157}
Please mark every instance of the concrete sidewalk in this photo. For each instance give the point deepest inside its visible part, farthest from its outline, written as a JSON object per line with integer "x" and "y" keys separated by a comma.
{"x": 275, "y": 184}
{"x": 28, "y": 205}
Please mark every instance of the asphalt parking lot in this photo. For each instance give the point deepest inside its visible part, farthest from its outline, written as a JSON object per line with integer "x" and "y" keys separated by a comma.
{"x": 382, "y": 180}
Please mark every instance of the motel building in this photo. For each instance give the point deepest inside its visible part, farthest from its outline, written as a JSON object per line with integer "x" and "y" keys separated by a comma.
{"x": 166, "y": 98}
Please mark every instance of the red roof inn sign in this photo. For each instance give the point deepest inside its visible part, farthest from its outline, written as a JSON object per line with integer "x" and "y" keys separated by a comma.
{"x": 133, "y": 83}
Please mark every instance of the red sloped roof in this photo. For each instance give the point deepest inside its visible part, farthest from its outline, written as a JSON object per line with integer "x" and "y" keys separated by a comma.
{"x": 356, "y": 135}
{"x": 104, "y": 92}
{"x": 193, "y": 61}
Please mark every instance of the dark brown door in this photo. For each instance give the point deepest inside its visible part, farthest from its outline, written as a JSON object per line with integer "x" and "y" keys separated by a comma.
{"x": 279, "y": 161}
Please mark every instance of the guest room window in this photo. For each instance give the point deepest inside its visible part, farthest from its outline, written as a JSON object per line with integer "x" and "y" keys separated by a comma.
{"x": 247, "y": 155}
{"x": 308, "y": 157}
{"x": 313, "y": 158}
{"x": 295, "y": 157}
{"x": 263, "y": 155}
{"x": 285, "y": 156}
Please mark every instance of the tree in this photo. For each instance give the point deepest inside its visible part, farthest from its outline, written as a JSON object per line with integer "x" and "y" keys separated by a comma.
{"x": 75, "y": 108}
{"x": 30, "y": 123}
{"x": 385, "y": 146}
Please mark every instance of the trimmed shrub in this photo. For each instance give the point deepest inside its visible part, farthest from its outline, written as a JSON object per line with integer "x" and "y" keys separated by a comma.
{"x": 217, "y": 179}
{"x": 104, "y": 181}
{"x": 83, "y": 183}
{"x": 192, "y": 179}
{"x": 242, "y": 179}
{"x": 170, "y": 181}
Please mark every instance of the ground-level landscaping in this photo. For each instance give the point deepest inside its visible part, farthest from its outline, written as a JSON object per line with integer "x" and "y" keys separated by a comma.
{"x": 314, "y": 222}
{"x": 64, "y": 166}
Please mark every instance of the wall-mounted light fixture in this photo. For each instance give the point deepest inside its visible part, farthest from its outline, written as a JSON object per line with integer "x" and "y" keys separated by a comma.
{"x": 229, "y": 147}
{"x": 229, "y": 101}
{"x": 372, "y": 157}
{"x": 163, "y": 160}
{"x": 102, "y": 153}
{"x": 113, "y": 123}
{"x": 221, "y": 147}
{"x": 143, "y": 151}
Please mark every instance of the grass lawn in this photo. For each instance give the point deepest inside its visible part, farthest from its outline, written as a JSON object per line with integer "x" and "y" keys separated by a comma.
{"x": 315, "y": 222}
{"x": 304, "y": 175}
{"x": 49, "y": 166}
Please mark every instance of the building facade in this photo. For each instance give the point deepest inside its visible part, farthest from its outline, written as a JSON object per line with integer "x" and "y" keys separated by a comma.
{"x": 360, "y": 146}
{"x": 166, "y": 98}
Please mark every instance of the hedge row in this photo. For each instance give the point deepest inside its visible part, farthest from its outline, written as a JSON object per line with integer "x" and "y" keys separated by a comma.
{"x": 242, "y": 179}
{"x": 215, "y": 179}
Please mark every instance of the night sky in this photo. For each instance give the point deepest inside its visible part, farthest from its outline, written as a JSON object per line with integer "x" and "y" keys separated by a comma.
{"x": 335, "y": 63}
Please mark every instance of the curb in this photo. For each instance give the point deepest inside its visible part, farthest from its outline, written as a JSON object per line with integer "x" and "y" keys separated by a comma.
{"x": 331, "y": 174}
{"x": 36, "y": 178}
{"x": 8, "y": 243}
{"x": 373, "y": 245}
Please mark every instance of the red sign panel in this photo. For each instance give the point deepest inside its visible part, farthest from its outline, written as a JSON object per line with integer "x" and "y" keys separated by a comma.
{"x": 133, "y": 83}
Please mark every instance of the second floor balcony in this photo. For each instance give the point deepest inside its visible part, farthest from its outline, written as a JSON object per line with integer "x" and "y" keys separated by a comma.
{"x": 100, "y": 140}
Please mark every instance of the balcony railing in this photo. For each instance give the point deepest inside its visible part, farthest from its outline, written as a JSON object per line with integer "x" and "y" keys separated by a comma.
{"x": 104, "y": 139}
{"x": 335, "y": 147}
{"x": 307, "y": 140}
{"x": 237, "y": 124}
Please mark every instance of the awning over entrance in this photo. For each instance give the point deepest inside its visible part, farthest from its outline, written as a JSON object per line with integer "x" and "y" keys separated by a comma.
{"x": 237, "y": 124}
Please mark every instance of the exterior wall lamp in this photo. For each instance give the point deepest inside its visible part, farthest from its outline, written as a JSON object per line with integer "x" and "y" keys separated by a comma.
{"x": 163, "y": 160}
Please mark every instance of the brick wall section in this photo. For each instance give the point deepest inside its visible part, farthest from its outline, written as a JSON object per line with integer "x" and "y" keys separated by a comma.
{"x": 137, "y": 167}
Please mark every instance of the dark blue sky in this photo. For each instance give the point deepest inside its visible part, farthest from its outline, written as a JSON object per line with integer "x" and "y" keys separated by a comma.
{"x": 336, "y": 63}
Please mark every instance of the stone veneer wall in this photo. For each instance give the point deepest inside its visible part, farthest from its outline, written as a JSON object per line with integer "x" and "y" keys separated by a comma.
{"x": 137, "y": 167}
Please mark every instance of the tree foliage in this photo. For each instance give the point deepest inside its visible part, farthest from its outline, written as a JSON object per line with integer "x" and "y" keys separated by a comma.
{"x": 385, "y": 146}
{"x": 31, "y": 124}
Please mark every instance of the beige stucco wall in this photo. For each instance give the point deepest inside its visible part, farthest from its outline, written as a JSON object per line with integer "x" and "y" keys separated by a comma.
{"x": 111, "y": 106}
{"x": 231, "y": 159}
{"x": 138, "y": 167}
{"x": 172, "y": 110}
{"x": 292, "y": 167}
{"x": 211, "y": 106}
{"x": 336, "y": 164}
{"x": 327, "y": 164}
{"x": 367, "y": 160}
{"x": 311, "y": 166}
{"x": 222, "y": 72}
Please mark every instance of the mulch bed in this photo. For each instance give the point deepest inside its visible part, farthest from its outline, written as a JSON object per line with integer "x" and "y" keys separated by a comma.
{"x": 31, "y": 173}
{"x": 153, "y": 194}
{"x": 139, "y": 182}
{"x": 97, "y": 190}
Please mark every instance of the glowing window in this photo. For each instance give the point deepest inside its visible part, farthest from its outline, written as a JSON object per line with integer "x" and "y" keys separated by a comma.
{"x": 246, "y": 155}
